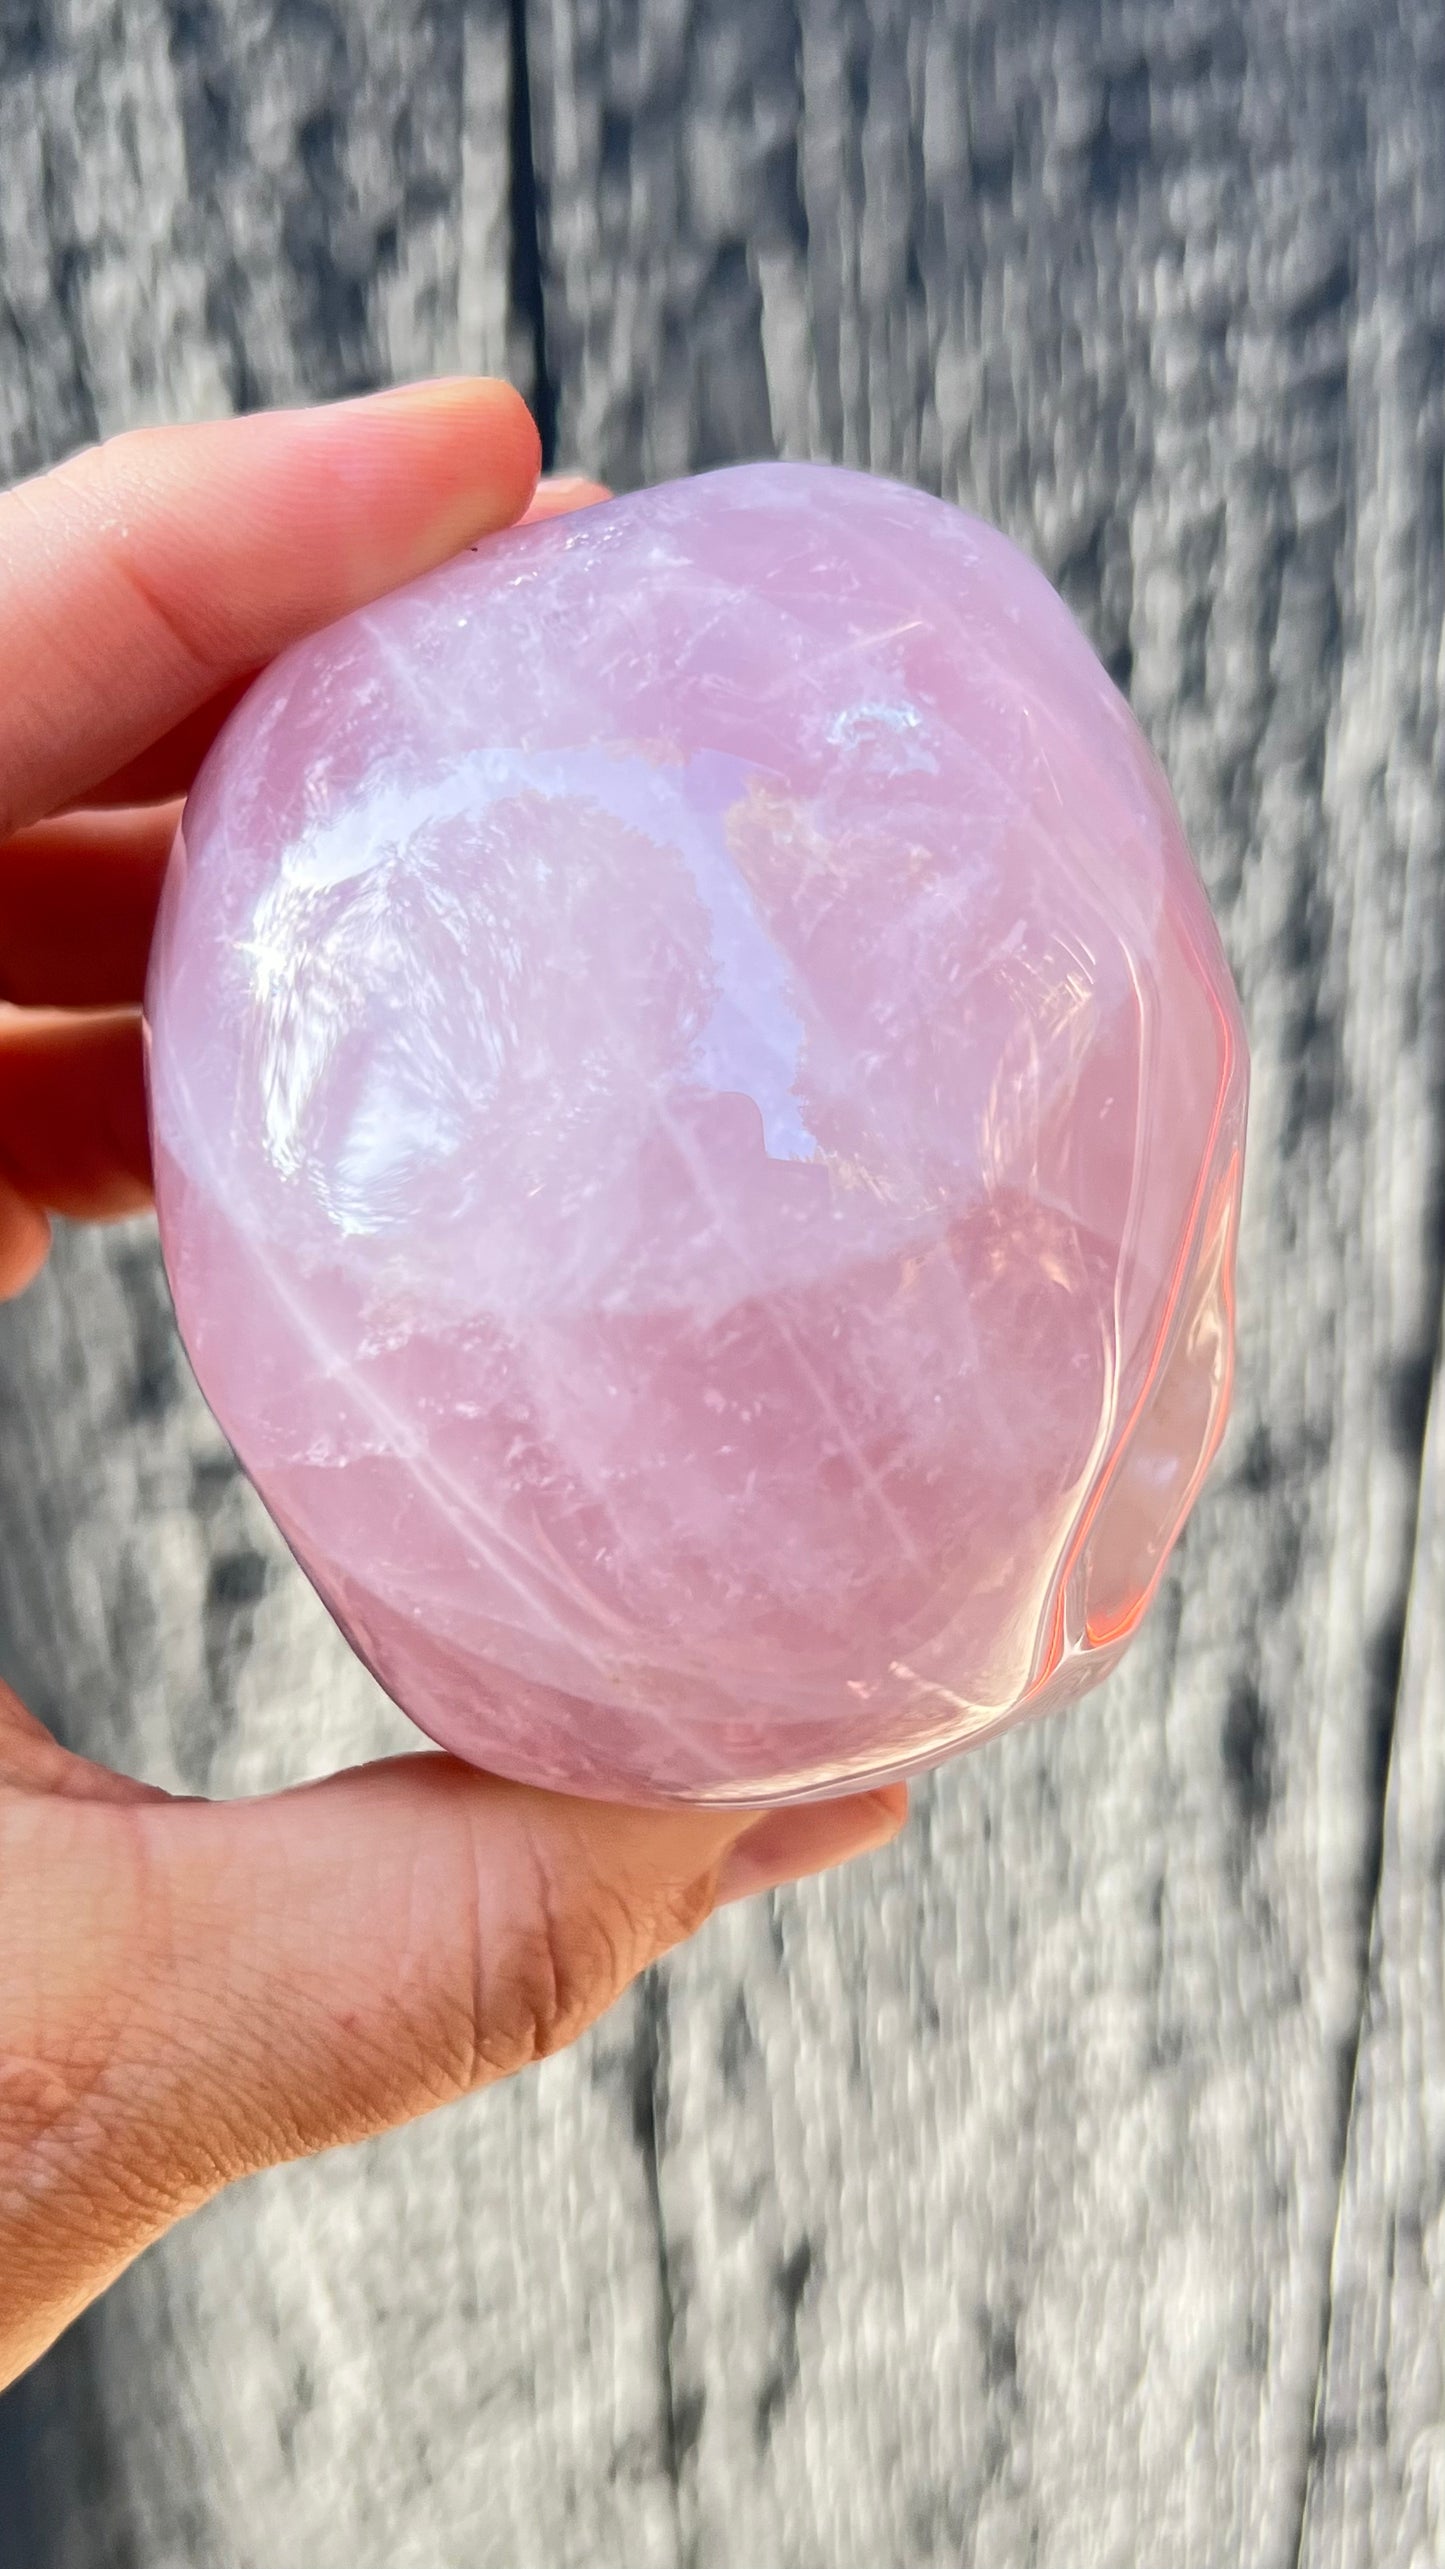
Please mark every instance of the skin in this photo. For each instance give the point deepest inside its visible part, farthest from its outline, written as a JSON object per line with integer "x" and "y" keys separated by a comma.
{"x": 195, "y": 1990}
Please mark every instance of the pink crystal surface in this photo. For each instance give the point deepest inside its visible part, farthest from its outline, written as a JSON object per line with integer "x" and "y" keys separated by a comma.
{"x": 698, "y": 1111}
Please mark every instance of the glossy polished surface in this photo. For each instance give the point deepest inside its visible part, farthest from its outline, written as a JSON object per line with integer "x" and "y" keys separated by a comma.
{"x": 698, "y": 1113}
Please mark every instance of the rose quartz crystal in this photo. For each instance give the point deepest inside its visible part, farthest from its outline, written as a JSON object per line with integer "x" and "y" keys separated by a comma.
{"x": 698, "y": 1110}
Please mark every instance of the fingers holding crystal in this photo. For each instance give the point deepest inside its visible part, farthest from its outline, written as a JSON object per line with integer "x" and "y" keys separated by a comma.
{"x": 78, "y": 901}
{"x": 145, "y": 576}
{"x": 146, "y": 583}
{"x": 72, "y": 1126}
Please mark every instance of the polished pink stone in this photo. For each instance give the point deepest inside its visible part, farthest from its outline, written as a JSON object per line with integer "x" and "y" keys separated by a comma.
{"x": 698, "y": 1110}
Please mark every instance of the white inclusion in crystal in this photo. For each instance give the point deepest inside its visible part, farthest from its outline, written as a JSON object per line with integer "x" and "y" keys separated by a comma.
{"x": 398, "y": 1129}
{"x": 752, "y": 1044}
{"x": 891, "y": 732}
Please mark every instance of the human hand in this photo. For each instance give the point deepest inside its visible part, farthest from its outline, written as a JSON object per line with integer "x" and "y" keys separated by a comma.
{"x": 194, "y": 1990}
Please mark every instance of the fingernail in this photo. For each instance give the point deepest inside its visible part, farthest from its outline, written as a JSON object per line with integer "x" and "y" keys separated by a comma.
{"x": 808, "y": 1837}
{"x": 427, "y": 388}
{"x": 559, "y": 494}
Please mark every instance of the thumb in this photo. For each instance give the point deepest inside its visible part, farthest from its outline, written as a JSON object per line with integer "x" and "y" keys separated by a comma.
{"x": 345, "y": 1956}
{"x": 242, "y": 1983}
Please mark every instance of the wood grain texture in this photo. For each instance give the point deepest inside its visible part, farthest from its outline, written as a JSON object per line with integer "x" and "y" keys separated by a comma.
{"x": 979, "y": 2206}
{"x": 1379, "y": 2487}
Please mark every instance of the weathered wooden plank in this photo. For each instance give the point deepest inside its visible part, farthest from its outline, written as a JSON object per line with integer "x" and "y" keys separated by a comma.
{"x": 1378, "y": 2488}
{"x": 1043, "y": 2274}
{"x": 1378, "y": 2479}
{"x": 977, "y": 2207}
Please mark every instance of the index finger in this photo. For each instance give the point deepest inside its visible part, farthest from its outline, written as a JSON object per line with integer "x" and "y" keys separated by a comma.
{"x": 140, "y": 578}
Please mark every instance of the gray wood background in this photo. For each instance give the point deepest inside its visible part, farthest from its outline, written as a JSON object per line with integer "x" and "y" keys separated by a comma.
{"x": 1068, "y": 2186}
